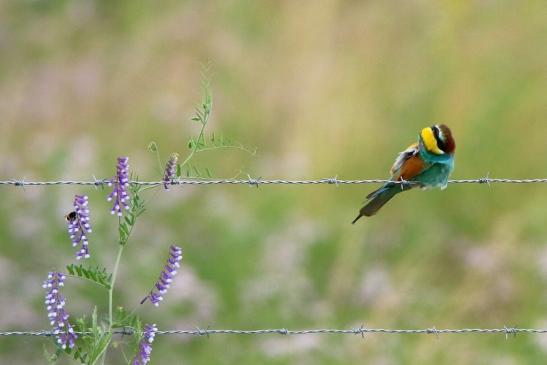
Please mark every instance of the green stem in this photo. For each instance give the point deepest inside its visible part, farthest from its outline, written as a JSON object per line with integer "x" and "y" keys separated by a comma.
{"x": 242, "y": 148}
{"x": 188, "y": 158}
{"x": 111, "y": 290}
{"x": 195, "y": 148}
{"x": 110, "y": 297}
{"x": 102, "y": 355}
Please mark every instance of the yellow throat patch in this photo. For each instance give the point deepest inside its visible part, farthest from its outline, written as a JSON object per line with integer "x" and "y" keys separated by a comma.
{"x": 430, "y": 142}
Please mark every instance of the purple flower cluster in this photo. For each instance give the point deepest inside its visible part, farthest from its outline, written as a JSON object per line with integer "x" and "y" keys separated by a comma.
{"x": 170, "y": 170}
{"x": 78, "y": 226}
{"x": 166, "y": 276}
{"x": 55, "y": 305}
{"x": 121, "y": 182}
{"x": 145, "y": 346}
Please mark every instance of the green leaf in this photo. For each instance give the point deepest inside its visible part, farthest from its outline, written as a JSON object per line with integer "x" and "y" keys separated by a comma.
{"x": 136, "y": 208}
{"x": 98, "y": 341}
{"x": 95, "y": 274}
{"x": 80, "y": 355}
{"x": 125, "y": 318}
{"x": 199, "y": 113}
{"x": 124, "y": 228}
{"x": 191, "y": 143}
{"x": 153, "y": 147}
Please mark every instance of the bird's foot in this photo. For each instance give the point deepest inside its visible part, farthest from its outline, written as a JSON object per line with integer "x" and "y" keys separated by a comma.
{"x": 406, "y": 184}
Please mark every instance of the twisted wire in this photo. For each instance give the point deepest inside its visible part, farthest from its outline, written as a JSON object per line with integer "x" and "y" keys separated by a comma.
{"x": 259, "y": 181}
{"x": 283, "y": 331}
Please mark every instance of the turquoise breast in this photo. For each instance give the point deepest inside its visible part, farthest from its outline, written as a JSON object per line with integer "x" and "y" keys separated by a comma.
{"x": 436, "y": 175}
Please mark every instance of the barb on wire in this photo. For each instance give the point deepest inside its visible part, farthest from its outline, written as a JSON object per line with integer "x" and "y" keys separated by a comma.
{"x": 259, "y": 181}
{"x": 250, "y": 181}
{"x": 285, "y": 332}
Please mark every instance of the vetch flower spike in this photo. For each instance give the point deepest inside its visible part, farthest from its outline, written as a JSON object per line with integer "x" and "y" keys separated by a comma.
{"x": 78, "y": 226}
{"x": 120, "y": 182}
{"x": 55, "y": 305}
{"x": 170, "y": 170}
{"x": 166, "y": 276}
{"x": 145, "y": 345}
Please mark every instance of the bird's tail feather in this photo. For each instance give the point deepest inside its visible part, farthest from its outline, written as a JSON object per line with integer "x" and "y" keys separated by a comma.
{"x": 377, "y": 200}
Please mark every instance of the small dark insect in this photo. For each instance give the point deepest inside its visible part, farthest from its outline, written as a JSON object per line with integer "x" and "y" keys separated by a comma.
{"x": 71, "y": 217}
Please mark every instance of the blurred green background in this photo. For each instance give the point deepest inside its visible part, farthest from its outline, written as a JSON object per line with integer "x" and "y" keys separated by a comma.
{"x": 320, "y": 88}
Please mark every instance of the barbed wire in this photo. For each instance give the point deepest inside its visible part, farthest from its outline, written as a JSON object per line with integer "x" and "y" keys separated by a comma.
{"x": 283, "y": 331}
{"x": 259, "y": 181}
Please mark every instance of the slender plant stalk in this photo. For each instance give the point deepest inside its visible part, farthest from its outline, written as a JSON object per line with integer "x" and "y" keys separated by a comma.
{"x": 195, "y": 146}
{"x": 189, "y": 157}
{"x": 121, "y": 245}
{"x": 111, "y": 290}
{"x": 102, "y": 355}
{"x": 110, "y": 297}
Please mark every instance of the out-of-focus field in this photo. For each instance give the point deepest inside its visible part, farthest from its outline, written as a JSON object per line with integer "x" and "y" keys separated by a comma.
{"x": 320, "y": 89}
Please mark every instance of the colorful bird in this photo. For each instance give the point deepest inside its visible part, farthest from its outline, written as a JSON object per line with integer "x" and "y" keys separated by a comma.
{"x": 425, "y": 164}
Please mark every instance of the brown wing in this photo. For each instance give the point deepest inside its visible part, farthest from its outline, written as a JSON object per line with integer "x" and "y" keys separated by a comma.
{"x": 411, "y": 168}
{"x": 401, "y": 159}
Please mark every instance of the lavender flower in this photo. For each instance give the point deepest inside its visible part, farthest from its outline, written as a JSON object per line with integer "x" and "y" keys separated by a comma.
{"x": 170, "y": 170}
{"x": 55, "y": 305}
{"x": 120, "y": 182}
{"x": 78, "y": 226}
{"x": 166, "y": 276}
{"x": 145, "y": 346}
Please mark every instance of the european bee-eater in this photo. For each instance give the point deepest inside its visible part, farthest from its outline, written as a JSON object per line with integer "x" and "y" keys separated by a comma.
{"x": 425, "y": 164}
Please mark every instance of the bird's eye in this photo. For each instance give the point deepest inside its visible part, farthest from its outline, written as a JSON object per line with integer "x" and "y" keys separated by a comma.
{"x": 439, "y": 137}
{"x": 436, "y": 132}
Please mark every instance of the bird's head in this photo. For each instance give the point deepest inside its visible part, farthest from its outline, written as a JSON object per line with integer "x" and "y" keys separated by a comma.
{"x": 438, "y": 140}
